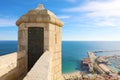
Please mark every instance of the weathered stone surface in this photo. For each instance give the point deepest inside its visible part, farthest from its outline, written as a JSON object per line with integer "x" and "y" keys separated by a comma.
{"x": 39, "y": 16}
{"x": 11, "y": 75}
{"x": 7, "y": 63}
{"x": 41, "y": 69}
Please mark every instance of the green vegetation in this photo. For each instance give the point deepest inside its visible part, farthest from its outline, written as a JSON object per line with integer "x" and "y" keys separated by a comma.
{"x": 107, "y": 73}
{"x": 118, "y": 72}
{"x": 94, "y": 70}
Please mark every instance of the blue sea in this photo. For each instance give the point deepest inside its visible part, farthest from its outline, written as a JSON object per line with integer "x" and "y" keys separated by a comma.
{"x": 72, "y": 51}
{"x": 8, "y": 47}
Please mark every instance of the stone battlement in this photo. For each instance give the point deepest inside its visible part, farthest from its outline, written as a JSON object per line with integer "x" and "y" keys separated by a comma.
{"x": 7, "y": 63}
{"x": 44, "y": 64}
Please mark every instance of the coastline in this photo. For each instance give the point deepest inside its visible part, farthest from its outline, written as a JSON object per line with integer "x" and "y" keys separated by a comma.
{"x": 73, "y": 75}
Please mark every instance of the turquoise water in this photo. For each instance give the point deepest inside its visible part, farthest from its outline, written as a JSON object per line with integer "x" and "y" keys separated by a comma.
{"x": 113, "y": 62}
{"x": 72, "y": 51}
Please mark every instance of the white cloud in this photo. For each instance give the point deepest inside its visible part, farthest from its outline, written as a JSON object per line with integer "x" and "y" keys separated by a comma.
{"x": 97, "y": 6}
{"x": 105, "y": 23}
{"x": 63, "y": 16}
{"x": 103, "y": 9}
{"x": 7, "y": 22}
{"x": 102, "y": 13}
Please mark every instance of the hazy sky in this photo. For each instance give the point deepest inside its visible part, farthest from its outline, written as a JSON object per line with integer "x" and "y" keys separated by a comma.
{"x": 83, "y": 19}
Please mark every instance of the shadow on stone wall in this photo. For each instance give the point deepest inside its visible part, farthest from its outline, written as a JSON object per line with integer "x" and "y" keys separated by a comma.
{"x": 9, "y": 67}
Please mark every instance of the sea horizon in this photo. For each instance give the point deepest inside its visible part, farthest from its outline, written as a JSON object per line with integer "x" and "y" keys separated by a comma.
{"x": 72, "y": 51}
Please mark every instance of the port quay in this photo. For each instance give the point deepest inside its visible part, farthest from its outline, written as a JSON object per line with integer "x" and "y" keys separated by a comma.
{"x": 96, "y": 68}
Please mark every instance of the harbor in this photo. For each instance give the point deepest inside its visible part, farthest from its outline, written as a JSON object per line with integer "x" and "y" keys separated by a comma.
{"x": 100, "y": 64}
{"x": 97, "y": 68}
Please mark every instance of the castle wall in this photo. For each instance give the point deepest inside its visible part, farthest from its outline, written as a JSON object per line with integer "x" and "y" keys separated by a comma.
{"x": 55, "y": 48}
{"x": 7, "y": 63}
{"x": 9, "y": 67}
{"x": 15, "y": 66}
{"x": 42, "y": 68}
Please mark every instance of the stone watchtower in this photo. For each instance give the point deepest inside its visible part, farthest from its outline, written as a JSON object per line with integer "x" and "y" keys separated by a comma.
{"x": 39, "y": 30}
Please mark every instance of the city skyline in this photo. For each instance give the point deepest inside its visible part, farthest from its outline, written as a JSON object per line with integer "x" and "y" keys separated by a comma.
{"x": 84, "y": 20}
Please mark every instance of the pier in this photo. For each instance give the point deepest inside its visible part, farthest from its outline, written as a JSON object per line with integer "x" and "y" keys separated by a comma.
{"x": 92, "y": 58}
{"x": 106, "y": 51}
{"x": 89, "y": 61}
{"x": 96, "y": 63}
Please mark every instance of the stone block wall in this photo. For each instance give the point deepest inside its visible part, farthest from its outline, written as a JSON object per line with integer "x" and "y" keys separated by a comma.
{"x": 42, "y": 68}
{"x": 12, "y": 67}
{"x": 8, "y": 67}
{"x": 7, "y": 63}
{"x": 41, "y": 17}
{"x": 55, "y": 47}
